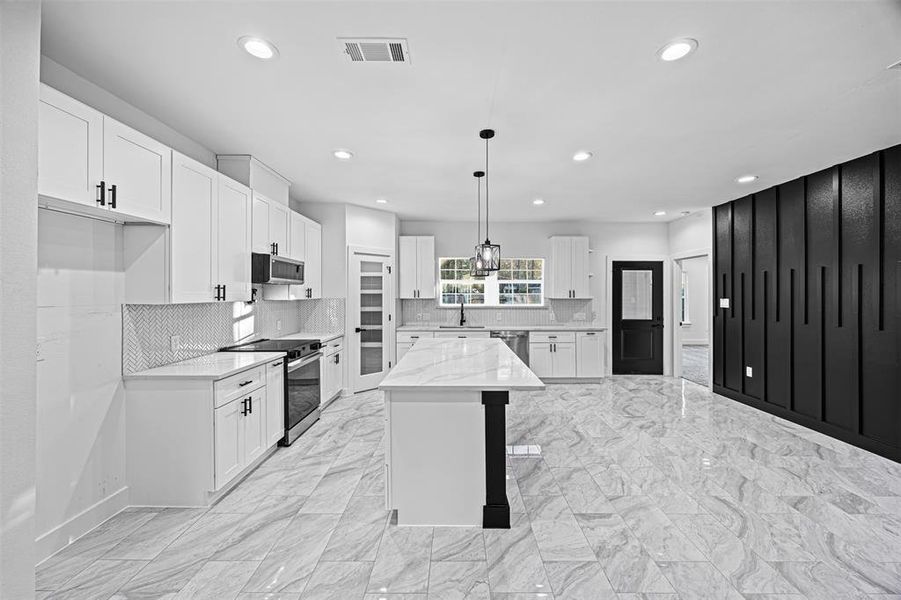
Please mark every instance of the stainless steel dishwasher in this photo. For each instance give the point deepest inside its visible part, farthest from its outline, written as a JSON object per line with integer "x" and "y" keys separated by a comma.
{"x": 516, "y": 340}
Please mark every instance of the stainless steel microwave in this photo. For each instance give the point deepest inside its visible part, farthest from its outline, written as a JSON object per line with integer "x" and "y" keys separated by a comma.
{"x": 271, "y": 268}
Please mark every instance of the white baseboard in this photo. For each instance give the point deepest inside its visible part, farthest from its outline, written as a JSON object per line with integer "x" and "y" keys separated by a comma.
{"x": 48, "y": 544}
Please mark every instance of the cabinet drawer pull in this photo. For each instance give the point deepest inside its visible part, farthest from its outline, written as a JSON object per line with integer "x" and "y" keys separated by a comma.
{"x": 243, "y": 383}
{"x": 590, "y": 333}
{"x": 552, "y": 337}
{"x": 277, "y": 364}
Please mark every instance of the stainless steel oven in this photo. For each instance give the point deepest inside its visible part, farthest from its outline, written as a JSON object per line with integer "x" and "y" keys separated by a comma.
{"x": 303, "y": 395}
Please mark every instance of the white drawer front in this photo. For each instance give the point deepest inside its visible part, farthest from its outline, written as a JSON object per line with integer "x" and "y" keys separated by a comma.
{"x": 412, "y": 336}
{"x": 463, "y": 334}
{"x": 559, "y": 337}
{"x": 242, "y": 383}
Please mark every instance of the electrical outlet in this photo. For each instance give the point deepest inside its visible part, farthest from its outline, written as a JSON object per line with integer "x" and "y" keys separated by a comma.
{"x": 579, "y": 316}
{"x": 724, "y": 303}
{"x": 749, "y": 372}
{"x": 419, "y": 316}
{"x": 278, "y": 325}
{"x": 175, "y": 343}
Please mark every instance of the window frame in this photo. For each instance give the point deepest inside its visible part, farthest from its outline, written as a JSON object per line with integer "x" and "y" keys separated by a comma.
{"x": 491, "y": 285}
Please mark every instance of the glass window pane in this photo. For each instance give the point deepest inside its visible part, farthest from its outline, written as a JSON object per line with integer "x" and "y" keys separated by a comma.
{"x": 637, "y": 295}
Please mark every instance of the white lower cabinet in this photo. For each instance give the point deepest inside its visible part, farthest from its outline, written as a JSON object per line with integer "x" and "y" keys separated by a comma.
{"x": 190, "y": 439}
{"x": 275, "y": 402}
{"x": 332, "y": 369}
{"x": 566, "y": 354}
{"x": 406, "y": 339}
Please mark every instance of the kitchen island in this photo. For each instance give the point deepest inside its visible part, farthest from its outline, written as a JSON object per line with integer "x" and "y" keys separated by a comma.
{"x": 445, "y": 431}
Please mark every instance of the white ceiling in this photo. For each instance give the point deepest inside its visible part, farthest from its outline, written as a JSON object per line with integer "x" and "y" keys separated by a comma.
{"x": 776, "y": 88}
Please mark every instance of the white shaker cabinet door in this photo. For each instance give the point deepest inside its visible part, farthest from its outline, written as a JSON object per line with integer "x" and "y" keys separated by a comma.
{"x": 589, "y": 354}
{"x": 280, "y": 228}
{"x": 234, "y": 235}
{"x": 425, "y": 266}
{"x": 313, "y": 262}
{"x": 70, "y": 149}
{"x": 275, "y": 402}
{"x": 540, "y": 361}
{"x": 229, "y": 443}
{"x": 261, "y": 240}
{"x": 298, "y": 236}
{"x": 564, "y": 360}
{"x": 580, "y": 267}
{"x": 138, "y": 172}
{"x": 195, "y": 190}
{"x": 407, "y": 272}
{"x": 255, "y": 442}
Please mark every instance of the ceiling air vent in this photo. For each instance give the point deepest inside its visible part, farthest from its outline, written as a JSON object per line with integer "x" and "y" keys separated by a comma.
{"x": 383, "y": 50}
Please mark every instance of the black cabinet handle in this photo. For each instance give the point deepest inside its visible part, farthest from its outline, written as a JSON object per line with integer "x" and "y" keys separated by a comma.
{"x": 278, "y": 364}
{"x": 337, "y": 359}
{"x": 250, "y": 405}
{"x": 218, "y": 295}
{"x": 243, "y": 383}
{"x": 272, "y": 249}
{"x": 223, "y": 291}
{"x": 101, "y": 193}
{"x": 244, "y": 404}
{"x": 112, "y": 194}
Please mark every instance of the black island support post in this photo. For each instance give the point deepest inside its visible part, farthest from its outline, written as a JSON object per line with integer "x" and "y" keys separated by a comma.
{"x": 496, "y": 512}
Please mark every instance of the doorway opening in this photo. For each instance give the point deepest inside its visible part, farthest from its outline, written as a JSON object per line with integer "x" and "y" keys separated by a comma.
{"x": 693, "y": 311}
{"x": 637, "y": 317}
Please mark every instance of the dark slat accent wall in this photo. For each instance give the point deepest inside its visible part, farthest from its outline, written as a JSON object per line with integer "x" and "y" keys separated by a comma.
{"x": 812, "y": 271}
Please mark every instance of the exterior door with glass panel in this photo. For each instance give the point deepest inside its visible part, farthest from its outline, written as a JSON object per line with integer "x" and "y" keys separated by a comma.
{"x": 370, "y": 304}
{"x": 638, "y": 317}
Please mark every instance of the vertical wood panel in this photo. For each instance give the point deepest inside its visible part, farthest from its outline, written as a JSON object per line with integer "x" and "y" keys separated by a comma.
{"x": 812, "y": 271}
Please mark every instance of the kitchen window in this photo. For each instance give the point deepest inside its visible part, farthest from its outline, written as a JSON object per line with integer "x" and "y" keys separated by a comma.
{"x": 518, "y": 283}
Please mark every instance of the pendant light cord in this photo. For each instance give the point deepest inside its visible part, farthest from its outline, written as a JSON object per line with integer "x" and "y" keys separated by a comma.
{"x": 486, "y": 189}
{"x": 479, "y": 212}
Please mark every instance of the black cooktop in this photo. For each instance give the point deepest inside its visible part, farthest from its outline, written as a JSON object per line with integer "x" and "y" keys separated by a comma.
{"x": 294, "y": 348}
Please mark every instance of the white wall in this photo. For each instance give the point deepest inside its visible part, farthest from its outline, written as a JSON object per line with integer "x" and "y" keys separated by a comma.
{"x": 691, "y": 233}
{"x": 80, "y": 421}
{"x": 698, "y": 329}
{"x": 371, "y": 228}
{"x": 530, "y": 240}
{"x": 20, "y": 30}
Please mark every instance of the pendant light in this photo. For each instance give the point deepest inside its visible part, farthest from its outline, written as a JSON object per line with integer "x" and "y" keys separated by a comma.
{"x": 476, "y": 265}
{"x": 490, "y": 254}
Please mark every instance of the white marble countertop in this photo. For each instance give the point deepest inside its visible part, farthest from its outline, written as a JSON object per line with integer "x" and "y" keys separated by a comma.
{"x": 461, "y": 364}
{"x": 217, "y": 365}
{"x": 497, "y": 327}
{"x": 308, "y": 335}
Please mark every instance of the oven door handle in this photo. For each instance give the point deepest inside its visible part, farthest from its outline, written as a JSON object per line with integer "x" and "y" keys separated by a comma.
{"x": 301, "y": 362}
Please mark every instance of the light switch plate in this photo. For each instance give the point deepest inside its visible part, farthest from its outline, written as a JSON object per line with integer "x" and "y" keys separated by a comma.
{"x": 278, "y": 325}
{"x": 724, "y": 303}
{"x": 749, "y": 372}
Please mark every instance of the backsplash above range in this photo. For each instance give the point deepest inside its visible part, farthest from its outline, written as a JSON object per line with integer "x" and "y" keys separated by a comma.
{"x": 555, "y": 312}
{"x": 147, "y": 329}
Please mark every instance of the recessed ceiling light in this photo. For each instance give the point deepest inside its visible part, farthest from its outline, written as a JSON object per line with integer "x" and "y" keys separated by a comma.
{"x": 581, "y": 155}
{"x": 660, "y": 213}
{"x": 677, "y": 49}
{"x": 746, "y": 179}
{"x": 258, "y": 47}
{"x": 343, "y": 154}
{"x": 537, "y": 201}
{"x": 381, "y": 201}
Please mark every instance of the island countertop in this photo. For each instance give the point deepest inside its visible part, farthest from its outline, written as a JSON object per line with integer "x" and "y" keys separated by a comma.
{"x": 461, "y": 364}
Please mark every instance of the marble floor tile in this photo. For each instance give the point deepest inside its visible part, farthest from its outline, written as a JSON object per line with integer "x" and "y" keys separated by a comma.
{"x": 645, "y": 488}
{"x": 100, "y": 580}
{"x": 579, "y": 581}
{"x": 337, "y": 581}
{"x": 402, "y": 562}
{"x": 458, "y": 544}
{"x": 459, "y": 581}
{"x": 698, "y": 581}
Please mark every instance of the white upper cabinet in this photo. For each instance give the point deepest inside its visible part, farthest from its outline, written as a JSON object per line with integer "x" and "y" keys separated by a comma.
{"x": 416, "y": 272}
{"x": 86, "y": 159}
{"x": 70, "y": 149}
{"x": 195, "y": 189}
{"x": 210, "y": 235}
{"x": 138, "y": 171}
{"x": 569, "y": 267}
{"x": 298, "y": 236}
{"x": 313, "y": 260}
{"x": 280, "y": 228}
{"x": 262, "y": 243}
{"x": 233, "y": 233}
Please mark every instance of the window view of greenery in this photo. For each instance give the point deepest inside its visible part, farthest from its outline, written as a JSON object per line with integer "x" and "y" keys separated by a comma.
{"x": 519, "y": 282}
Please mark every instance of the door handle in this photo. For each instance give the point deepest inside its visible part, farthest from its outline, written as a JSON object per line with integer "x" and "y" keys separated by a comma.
{"x": 101, "y": 193}
{"x": 359, "y": 329}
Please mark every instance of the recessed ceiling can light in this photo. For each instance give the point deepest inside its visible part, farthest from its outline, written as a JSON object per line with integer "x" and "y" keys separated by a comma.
{"x": 381, "y": 201}
{"x": 660, "y": 213}
{"x": 581, "y": 156}
{"x": 343, "y": 154}
{"x": 746, "y": 179}
{"x": 537, "y": 201}
{"x": 677, "y": 49}
{"x": 258, "y": 47}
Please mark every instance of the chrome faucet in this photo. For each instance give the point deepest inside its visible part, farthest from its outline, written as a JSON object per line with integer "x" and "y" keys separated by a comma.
{"x": 462, "y": 315}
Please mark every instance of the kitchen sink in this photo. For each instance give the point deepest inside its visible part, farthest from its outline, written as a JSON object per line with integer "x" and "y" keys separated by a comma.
{"x": 461, "y": 326}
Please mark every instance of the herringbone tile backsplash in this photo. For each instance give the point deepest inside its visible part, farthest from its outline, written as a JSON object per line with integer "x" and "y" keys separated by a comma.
{"x": 147, "y": 329}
